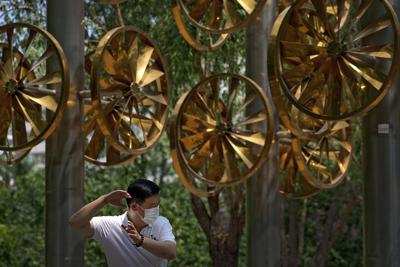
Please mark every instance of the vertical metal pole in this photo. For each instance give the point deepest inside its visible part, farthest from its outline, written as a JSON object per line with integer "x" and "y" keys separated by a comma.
{"x": 381, "y": 149}
{"x": 64, "y": 149}
{"x": 263, "y": 200}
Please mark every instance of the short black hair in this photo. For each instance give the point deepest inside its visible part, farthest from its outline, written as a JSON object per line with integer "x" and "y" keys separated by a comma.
{"x": 141, "y": 189}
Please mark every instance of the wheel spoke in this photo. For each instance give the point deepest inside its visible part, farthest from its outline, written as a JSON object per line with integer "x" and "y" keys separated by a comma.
{"x": 30, "y": 113}
{"x": 384, "y": 51}
{"x": 95, "y": 145}
{"x": 18, "y": 129}
{"x": 39, "y": 91}
{"x": 378, "y": 25}
{"x": 215, "y": 169}
{"x": 191, "y": 142}
{"x": 150, "y": 76}
{"x": 45, "y": 101}
{"x": 43, "y": 58}
{"x": 50, "y": 78}
{"x": 200, "y": 155}
{"x": 231, "y": 171}
{"x": 242, "y": 151}
{"x": 105, "y": 84}
{"x": 234, "y": 83}
{"x": 296, "y": 49}
{"x": 321, "y": 14}
{"x": 143, "y": 62}
{"x": 254, "y": 118}
{"x": 248, "y": 5}
{"x": 10, "y": 35}
{"x": 201, "y": 103}
{"x": 129, "y": 137}
{"x": 5, "y": 115}
{"x": 155, "y": 97}
{"x": 311, "y": 90}
{"x": 31, "y": 37}
{"x": 298, "y": 73}
{"x": 6, "y": 71}
{"x": 257, "y": 138}
{"x": 109, "y": 62}
{"x": 367, "y": 72}
{"x": 362, "y": 9}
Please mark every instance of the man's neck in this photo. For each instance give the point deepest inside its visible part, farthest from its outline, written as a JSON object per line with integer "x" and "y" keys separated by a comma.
{"x": 137, "y": 222}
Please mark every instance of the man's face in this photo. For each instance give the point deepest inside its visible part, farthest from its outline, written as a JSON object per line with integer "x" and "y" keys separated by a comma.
{"x": 150, "y": 202}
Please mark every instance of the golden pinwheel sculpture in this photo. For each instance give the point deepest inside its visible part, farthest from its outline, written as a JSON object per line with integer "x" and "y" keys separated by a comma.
{"x": 195, "y": 186}
{"x": 221, "y": 130}
{"x": 324, "y": 157}
{"x": 292, "y": 183}
{"x": 32, "y": 100}
{"x": 97, "y": 148}
{"x": 328, "y": 62}
{"x": 129, "y": 93}
{"x": 221, "y": 16}
{"x": 318, "y": 160}
{"x": 200, "y": 40}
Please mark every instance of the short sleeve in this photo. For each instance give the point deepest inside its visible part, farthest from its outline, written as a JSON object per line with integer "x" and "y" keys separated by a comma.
{"x": 100, "y": 226}
{"x": 166, "y": 232}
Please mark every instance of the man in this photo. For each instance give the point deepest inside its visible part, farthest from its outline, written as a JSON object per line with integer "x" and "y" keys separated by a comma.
{"x": 137, "y": 238}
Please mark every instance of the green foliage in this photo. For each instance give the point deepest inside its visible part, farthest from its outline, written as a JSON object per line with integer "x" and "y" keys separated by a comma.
{"x": 22, "y": 215}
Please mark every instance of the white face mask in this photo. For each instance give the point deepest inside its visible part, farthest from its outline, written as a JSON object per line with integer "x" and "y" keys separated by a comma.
{"x": 150, "y": 215}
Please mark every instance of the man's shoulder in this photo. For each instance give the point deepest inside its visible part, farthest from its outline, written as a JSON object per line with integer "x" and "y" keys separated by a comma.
{"x": 109, "y": 218}
{"x": 161, "y": 221}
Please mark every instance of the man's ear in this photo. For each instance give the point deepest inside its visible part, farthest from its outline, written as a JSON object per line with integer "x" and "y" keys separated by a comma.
{"x": 133, "y": 205}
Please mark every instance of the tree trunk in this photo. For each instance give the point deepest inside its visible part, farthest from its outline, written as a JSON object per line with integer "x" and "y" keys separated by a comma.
{"x": 263, "y": 206}
{"x": 222, "y": 224}
{"x": 64, "y": 149}
{"x": 381, "y": 151}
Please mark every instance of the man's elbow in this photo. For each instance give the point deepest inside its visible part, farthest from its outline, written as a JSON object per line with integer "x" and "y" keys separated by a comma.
{"x": 74, "y": 223}
{"x": 171, "y": 255}
{"x": 171, "y": 252}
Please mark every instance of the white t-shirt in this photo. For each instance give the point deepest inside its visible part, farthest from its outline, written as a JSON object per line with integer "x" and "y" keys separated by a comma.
{"x": 119, "y": 247}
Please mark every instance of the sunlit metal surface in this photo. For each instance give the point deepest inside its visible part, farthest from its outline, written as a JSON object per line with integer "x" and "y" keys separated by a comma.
{"x": 216, "y": 140}
{"x": 32, "y": 100}
{"x": 292, "y": 183}
{"x": 195, "y": 186}
{"x": 207, "y": 42}
{"x": 324, "y": 158}
{"x": 129, "y": 91}
{"x": 318, "y": 160}
{"x": 320, "y": 62}
{"x": 221, "y": 16}
{"x": 97, "y": 148}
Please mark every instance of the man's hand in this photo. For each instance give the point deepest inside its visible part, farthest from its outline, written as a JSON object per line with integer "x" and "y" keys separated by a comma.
{"x": 115, "y": 198}
{"x": 132, "y": 232}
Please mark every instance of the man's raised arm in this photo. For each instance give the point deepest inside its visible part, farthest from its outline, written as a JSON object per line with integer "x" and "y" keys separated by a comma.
{"x": 80, "y": 220}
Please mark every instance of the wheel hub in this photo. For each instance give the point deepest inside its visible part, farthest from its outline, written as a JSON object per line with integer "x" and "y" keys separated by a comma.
{"x": 335, "y": 49}
{"x": 136, "y": 91}
{"x": 12, "y": 87}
